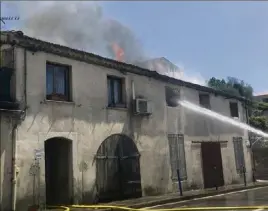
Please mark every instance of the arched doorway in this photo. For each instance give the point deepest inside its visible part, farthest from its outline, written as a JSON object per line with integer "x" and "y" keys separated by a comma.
{"x": 59, "y": 171}
{"x": 118, "y": 169}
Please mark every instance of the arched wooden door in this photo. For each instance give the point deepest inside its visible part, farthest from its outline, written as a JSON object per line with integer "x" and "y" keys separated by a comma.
{"x": 118, "y": 169}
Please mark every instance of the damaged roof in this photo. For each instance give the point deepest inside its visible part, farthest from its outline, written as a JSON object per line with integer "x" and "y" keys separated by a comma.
{"x": 17, "y": 38}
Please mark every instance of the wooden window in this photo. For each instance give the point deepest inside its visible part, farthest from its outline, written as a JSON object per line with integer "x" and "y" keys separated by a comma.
{"x": 115, "y": 91}
{"x": 57, "y": 82}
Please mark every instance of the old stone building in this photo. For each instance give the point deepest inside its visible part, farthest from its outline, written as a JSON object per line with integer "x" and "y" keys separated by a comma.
{"x": 78, "y": 128}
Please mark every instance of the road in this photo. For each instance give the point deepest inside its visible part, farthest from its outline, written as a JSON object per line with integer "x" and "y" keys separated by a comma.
{"x": 253, "y": 197}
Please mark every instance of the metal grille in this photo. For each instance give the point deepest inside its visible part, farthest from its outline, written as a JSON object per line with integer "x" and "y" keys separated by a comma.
{"x": 239, "y": 154}
{"x": 143, "y": 106}
{"x": 177, "y": 156}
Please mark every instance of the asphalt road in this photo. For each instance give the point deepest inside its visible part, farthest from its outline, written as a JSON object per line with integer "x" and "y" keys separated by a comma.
{"x": 253, "y": 197}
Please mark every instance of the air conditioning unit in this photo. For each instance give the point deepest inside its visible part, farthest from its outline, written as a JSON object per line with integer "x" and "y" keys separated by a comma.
{"x": 143, "y": 107}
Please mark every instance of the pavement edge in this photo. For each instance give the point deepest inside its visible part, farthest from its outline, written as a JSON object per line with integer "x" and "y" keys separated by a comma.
{"x": 195, "y": 196}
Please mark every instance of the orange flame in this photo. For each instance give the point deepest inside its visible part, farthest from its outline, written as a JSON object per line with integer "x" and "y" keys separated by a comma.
{"x": 119, "y": 52}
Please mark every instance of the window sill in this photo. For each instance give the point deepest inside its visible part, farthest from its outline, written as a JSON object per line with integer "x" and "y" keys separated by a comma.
{"x": 58, "y": 101}
{"x": 117, "y": 108}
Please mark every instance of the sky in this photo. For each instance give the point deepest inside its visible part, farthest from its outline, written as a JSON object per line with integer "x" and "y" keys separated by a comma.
{"x": 207, "y": 39}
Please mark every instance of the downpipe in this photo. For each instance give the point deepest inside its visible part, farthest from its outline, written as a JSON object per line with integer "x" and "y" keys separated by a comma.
{"x": 14, "y": 166}
{"x": 251, "y": 149}
{"x": 15, "y": 123}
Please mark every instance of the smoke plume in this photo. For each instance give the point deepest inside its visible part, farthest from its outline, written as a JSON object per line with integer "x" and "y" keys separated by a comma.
{"x": 83, "y": 26}
{"x": 79, "y": 25}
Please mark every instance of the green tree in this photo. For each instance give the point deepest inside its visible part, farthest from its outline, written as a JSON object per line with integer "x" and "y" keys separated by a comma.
{"x": 232, "y": 86}
{"x": 239, "y": 88}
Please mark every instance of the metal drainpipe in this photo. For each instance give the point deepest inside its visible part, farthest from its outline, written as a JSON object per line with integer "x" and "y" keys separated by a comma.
{"x": 1, "y": 202}
{"x": 251, "y": 150}
{"x": 14, "y": 167}
{"x": 14, "y": 137}
{"x": 25, "y": 78}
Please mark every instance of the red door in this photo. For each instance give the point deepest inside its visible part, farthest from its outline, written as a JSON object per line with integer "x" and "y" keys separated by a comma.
{"x": 212, "y": 164}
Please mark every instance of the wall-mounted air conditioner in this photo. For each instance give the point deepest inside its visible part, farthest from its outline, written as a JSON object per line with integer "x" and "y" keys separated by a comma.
{"x": 142, "y": 107}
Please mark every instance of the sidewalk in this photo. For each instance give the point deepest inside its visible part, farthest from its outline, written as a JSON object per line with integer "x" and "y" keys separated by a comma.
{"x": 148, "y": 201}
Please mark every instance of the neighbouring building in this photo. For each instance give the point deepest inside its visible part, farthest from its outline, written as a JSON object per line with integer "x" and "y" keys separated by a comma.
{"x": 162, "y": 66}
{"x": 263, "y": 97}
{"x": 80, "y": 128}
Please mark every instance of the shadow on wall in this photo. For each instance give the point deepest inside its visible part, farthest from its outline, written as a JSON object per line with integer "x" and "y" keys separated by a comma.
{"x": 6, "y": 160}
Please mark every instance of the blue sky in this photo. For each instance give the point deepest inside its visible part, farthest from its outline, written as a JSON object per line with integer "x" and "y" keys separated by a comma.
{"x": 210, "y": 38}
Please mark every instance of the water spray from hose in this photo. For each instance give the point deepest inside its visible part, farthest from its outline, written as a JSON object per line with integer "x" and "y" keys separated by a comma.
{"x": 220, "y": 117}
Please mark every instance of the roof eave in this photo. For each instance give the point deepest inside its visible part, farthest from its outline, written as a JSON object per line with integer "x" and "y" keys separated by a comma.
{"x": 32, "y": 44}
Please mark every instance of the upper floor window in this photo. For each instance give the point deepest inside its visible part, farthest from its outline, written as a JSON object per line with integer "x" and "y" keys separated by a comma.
{"x": 115, "y": 91}
{"x": 172, "y": 96}
{"x": 204, "y": 100}
{"x": 234, "y": 109}
{"x": 57, "y": 82}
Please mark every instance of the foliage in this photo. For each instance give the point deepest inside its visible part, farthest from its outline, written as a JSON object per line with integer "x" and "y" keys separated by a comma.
{"x": 260, "y": 122}
{"x": 232, "y": 86}
{"x": 239, "y": 88}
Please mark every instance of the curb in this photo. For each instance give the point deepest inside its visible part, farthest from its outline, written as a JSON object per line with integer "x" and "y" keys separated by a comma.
{"x": 196, "y": 196}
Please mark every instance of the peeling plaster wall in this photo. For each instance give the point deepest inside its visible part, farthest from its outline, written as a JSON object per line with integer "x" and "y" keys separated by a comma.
{"x": 87, "y": 122}
{"x": 6, "y": 161}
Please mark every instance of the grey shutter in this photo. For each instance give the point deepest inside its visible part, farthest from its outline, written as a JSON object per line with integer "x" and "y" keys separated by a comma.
{"x": 173, "y": 151}
{"x": 182, "y": 162}
{"x": 239, "y": 154}
{"x": 177, "y": 156}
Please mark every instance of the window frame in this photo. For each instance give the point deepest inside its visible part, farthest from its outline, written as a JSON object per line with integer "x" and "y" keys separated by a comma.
{"x": 67, "y": 79}
{"x": 236, "y": 112}
{"x": 209, "y": 102}
{"x": 122, "y": 101}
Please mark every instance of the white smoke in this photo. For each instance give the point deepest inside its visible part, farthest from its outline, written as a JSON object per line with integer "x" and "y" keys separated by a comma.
{"x": 82, "y": 25}
{"x": 79, "y": 25}
{"x": 184, "y": 74}
{"x": 192, "y": 76}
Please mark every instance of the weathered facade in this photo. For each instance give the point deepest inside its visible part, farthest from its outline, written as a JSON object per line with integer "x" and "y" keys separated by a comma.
{"x": 76, "y": 122}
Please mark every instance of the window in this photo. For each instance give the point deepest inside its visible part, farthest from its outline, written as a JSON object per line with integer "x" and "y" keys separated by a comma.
{"x": 239, "y": 154}
{"x": 234, "y": 109}
{"x": 172, "y": 96}
{"x": 5, "y": 84}
{"x": 115, "y": 92}
{"x": 58, "y": 82}
{"x": 177, "y": 156}
{"x": 204, "y": 100}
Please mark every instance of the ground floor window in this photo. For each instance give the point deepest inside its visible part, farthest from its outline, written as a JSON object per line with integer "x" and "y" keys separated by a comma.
{"x": 177, "y": 156}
